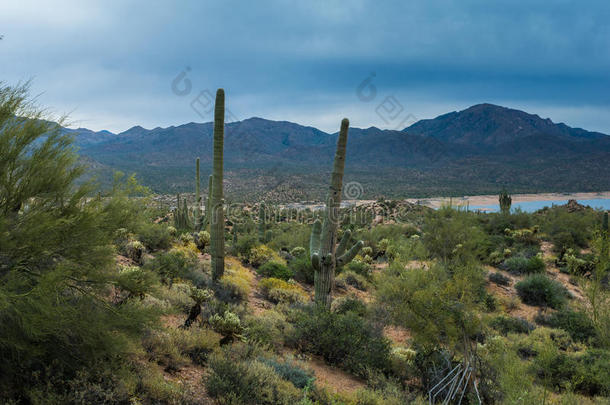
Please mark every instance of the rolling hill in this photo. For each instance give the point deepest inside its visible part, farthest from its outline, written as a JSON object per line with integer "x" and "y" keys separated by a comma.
{"x": 477, "y": 150}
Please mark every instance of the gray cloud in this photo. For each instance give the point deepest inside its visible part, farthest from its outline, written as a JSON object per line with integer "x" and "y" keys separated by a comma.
{"x": 111, "y": 63}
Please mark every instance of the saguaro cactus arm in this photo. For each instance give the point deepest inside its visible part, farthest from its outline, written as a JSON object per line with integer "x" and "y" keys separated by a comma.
{"x": 314, "y": 244}
{"x": 350, "y": 254}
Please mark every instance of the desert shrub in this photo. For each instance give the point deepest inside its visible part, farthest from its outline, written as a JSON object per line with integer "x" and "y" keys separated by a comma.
{"x": 135, "y": 250}
{"x": 438, "y": 304}
{"x": 298, "y": 251}
{"x": 237, "y": 381}
{"x": 202, "y": 239}
{"x": 290, "y": 371}
{"x": 154, "y": 236}
{"x": 275, "y": 269}
{"x": 359, "y": 266}
{"x": 244, "y": 245}
{"x": 172, "y": 348}
{"x": 281, "y": 291}
{"x": 587, "y": 373}
{"x": 262, "y": 254}
{"x": 174, "y": 264}
{"x": 228, "y": 325}
{"x": 135, "y": 281}
{"x": 577, "y": 324}
{"x": 237, "y": 280}
{"x": 267, "y": 329}
{"x": 367, "y": 250}
{"x": 350, "y": 304}
{"x": 577, "y": 265}
{"x": 499, "y": 279}
{"x": 522, "y": 265}
{"x": 302, "y": 269}
{"x": 346, "y": 340}
{"x": 506, "y": 325}
{"x": 454, "y": 234}
{"x": 539, "y": 290}
{"x": 354, "y": 279}
{"x": 156, "y": 389}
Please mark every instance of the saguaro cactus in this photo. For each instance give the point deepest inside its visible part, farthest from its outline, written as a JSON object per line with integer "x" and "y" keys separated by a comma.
{"x": 197, "y": 197}
{"x": 505, "y": 201}
{"x": 326, "y": 256}
{"x": 217, "y": 223}
{"x": 261, "y": 223}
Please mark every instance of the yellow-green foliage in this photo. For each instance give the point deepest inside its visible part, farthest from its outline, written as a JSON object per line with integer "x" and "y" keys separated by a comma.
{"x": 177, "y": 296}
{"x": 267, "y": 329}
{"x": 281, "y": 291}
{"x": 262, "y": 254}
{"x": 188, "y": 249}
{"x": 156, "y": 389}
{"x": 241, "y": 381}
{"x": 175, "y": 348}
{"x": 237, "y": 278}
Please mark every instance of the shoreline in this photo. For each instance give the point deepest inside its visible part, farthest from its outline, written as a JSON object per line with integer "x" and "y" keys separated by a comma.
{"x": 491, "y": 199}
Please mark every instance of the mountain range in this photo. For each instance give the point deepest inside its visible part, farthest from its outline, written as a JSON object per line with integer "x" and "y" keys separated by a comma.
{"x": 478, "y": 150}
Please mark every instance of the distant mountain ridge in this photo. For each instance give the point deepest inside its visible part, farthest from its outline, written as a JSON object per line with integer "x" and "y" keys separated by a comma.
{"x": 477, "y": 150}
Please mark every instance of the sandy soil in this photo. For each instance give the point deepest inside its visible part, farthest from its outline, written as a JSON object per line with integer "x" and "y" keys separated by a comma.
{"x": 436, "y": 202}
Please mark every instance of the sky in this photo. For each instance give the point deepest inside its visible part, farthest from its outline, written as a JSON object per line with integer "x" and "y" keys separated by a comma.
{"x": 116, "y": 64}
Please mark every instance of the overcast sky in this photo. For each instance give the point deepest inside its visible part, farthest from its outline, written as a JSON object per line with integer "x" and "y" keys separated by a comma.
{"x": 114, "y": 64}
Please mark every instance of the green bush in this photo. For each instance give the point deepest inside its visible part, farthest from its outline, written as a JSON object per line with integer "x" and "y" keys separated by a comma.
{"x": 350, "y": 304}
{"x": 302, "y": 269}
{"x": 499, "y": 279}
{"x": 359, "y": 267}
{"x": 346, "y": 340}
{"x": 267, "y": 329}
{"x": 154, "y": 236}
{"x": 275, "y": 269}
{"x": 281, "y": 291}
{"x": 523, "y": 265}
{"x": 539, "y": 290}
{"x": 237, "y": 381}
{"x": 290, "y": 371}
{"x": 354, "y": 279}
{"x": 577, "y": 324}
{"x": 174, "y": 264}
{"x": 587, "y": 374}
{"x": 506, "y": 325}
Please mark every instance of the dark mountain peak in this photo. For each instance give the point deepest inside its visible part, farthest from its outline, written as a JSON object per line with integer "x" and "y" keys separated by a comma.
{"x": 136, "y": 130}
{"x": 492, "y": 125}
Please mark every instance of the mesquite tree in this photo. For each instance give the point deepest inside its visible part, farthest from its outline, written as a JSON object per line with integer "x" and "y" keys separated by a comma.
{"x": 326, "y": 256}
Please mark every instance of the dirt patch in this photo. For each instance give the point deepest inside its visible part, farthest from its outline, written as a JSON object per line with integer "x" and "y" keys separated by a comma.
{"x": 191, "y": 377}
{"x": 333, "y": 378}
{"x": 397, "y": 334}
{"x": 554, "y": 273}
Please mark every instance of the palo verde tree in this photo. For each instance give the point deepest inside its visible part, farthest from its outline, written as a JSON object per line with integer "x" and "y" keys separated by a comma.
{"x": 217, "y": 224}
{"x": 56, "y": 258}
{"x": 326, "y": 256}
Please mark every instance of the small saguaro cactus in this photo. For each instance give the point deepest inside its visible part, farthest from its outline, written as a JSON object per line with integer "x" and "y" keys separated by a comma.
{"x": 505, "y": 201}
{"x": 326, "y": 256}
{"x": 261, "y": 223}
{"x": 217, "y": 223}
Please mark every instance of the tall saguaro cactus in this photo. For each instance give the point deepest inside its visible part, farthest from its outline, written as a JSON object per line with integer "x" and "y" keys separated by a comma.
{"x": 217, "y": 223}
{"x": 326, "y": 256}
{"x": 505, "y": 201}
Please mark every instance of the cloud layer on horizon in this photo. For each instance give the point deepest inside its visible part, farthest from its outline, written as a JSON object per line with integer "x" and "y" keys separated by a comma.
{"x": 111, "y": 64}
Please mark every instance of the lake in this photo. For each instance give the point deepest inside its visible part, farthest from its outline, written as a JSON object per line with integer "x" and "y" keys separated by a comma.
{"x": 531, "y": 206}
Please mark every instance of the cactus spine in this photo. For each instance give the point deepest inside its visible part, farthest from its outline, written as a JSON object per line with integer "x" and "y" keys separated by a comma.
{"x": 505, "y": 201}
{"x": 325, "y": 255}
{"x": 217, "y": 246}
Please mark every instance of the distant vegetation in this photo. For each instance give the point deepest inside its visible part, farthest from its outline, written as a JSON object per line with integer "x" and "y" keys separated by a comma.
{"x": 116, "y": 297}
